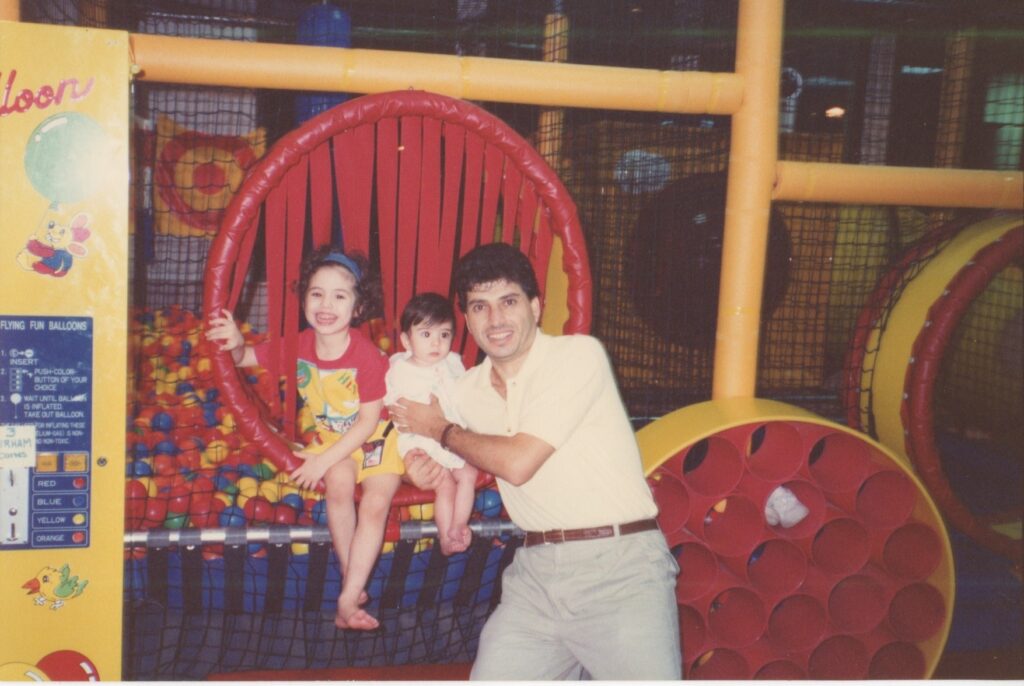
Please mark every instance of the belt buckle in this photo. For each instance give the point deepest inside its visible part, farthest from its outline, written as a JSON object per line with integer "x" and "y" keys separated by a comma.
{"x": 552, "y": 536}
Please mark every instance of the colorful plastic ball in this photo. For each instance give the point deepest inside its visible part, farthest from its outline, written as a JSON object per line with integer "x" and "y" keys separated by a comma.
{"x": 156, "y": 513}
{"x": 162, "y": 421}
{"x": 258, "y": 510}
{"x": 135, "y": 503}
{"x": 271, "y": 490}
{"x": 225, "y": 498}
{"x": 294, "y": 501}
{"x": 176, "y": 520}
{"x": 21, "y": 671}
{"x": 488, "y": 503}
{"x": 283, "y": 514}
{"x": 140, "y": 450}
{"x": 165, "y": 447}
{"x": 165, "y": 465}
{"x": 179, "y": 498}
{"x": 232, "y": 516}
{"x": 247, "y": 485}
{"x": 319, "y": 512}
{"x": 264, "y": 471}
{"x": 424, "y": 511}
{"x": 139, "y": 467}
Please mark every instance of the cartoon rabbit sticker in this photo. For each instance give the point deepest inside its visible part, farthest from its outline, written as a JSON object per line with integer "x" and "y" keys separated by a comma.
{"x": 53, "y": 248}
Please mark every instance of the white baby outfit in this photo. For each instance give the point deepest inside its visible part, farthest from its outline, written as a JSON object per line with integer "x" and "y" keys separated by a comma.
{"x": 408, "y": 380}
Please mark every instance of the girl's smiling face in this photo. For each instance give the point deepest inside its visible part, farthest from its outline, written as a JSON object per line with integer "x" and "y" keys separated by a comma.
{"x": 330, "y": 301}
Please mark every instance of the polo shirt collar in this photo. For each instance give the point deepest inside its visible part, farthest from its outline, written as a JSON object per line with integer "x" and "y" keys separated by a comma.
{"x": 537, "y": 352}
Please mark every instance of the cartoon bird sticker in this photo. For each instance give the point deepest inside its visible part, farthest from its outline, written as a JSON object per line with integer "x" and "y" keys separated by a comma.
{"x": 55, "y": 586}
{"x": 53, "y": 248}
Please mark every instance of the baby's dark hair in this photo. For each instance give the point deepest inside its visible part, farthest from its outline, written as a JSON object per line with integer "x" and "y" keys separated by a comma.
{"x": 369, "y": 293}
{"x": 493, "y": 262}
{"x": 428, "y": 308}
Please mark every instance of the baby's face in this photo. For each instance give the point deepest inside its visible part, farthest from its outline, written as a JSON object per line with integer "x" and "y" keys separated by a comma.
{"x": 428, "y": 343}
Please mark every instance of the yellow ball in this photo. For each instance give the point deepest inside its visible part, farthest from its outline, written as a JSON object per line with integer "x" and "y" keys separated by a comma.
{"x": 271, "y": 490}
{"x": 248, "y": 486}
{"x": 21, "y": 671}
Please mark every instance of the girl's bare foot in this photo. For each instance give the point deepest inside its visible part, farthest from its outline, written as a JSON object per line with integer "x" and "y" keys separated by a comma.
{"x": 353, "y": 616}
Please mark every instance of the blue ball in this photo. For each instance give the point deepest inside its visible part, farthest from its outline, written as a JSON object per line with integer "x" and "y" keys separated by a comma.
{"x": 140, "y": 450}
{"x": 488, "y": 503}
{"x": 232, "y": 515}
{"x": 165, "y": 448}
{"x": 319, "y": 513}
{"x": 162, "y": 422}
{"x": 137, "y": 468}
{"x": 294, "y": 500}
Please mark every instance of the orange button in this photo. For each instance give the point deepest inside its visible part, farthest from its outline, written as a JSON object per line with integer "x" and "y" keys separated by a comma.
{"x": 75, "y": 462}
{"x": 46, "y": 462}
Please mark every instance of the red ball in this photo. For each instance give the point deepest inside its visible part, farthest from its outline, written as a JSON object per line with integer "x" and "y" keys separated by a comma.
{"x": 180, "y": 499}
{"x": 135, "y": 504}
{"x": 284, "y": 514}
{"x": 156, "y": 513}
{"x": 258, "y": 510}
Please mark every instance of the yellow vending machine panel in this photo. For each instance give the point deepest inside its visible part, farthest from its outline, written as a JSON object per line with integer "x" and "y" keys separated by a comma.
{"x": 64, "y": 115}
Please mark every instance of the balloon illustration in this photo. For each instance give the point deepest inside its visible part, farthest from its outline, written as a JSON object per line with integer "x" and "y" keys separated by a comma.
{"x": 65, "y": 156}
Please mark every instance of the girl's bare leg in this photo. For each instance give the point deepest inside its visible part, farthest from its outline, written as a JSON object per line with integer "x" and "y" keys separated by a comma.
{"x": 366, "y": 543}
{"x": 339, "y": 491}
{"x": 444, "y": 508}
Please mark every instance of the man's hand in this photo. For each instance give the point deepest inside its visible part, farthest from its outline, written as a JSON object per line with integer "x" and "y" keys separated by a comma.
{"x": 421, "y": 471}
{"x": 418, "y": 418}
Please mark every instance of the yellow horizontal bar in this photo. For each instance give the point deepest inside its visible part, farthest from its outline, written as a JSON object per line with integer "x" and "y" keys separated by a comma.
{"x": 242, "y": 64}
{"x": 877, "y": 185}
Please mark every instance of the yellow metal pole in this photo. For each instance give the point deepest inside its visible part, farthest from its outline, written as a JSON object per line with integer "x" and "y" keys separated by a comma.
{"x": 752, "y": 158}
{"x": 10, "y": 10}
{"x": 550, "y": 128}
{"x": 870, "y": 184}
{"x": 200, "y": 61}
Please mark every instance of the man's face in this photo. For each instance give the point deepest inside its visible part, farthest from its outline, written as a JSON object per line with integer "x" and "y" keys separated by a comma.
{"x": 503, "y": 321}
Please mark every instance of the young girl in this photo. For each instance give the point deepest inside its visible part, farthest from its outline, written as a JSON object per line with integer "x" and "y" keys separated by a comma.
{"x": 429, "y": 367}
{"x": 341, "y": 381}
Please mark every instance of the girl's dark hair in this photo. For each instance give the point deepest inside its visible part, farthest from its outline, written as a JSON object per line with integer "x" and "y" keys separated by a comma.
{"x": 369, "y": 293}
{"x": 493, "y": 262}
{"x": 429, "y": 308}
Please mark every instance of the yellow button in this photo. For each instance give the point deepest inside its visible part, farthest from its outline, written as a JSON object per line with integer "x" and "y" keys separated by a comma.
{"x": 78, "y": 519}
{"x": 46, "y": 462}
{"x": 75, "y": 462}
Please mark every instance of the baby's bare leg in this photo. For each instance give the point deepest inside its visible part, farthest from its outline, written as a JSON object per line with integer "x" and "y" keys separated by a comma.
{"x": 465, "y": 494}
{"x": 444, "y": 508}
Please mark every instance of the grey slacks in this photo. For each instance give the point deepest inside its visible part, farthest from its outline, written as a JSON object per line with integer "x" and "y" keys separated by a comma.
{"x": 602, "y": 609}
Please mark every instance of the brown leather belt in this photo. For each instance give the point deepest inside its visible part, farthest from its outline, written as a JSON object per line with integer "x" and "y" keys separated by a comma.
{"x": 566, "y": 535}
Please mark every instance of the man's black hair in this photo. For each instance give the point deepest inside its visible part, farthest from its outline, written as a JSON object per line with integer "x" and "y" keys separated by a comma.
{"x": 428, "y": 308}
{"x": 493, "y": 262}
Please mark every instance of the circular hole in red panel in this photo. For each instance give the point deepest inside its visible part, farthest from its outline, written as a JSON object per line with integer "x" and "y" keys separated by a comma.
{"x": 698, "y": 569}
{"x": 886, "y": 499}
{"x": 673, "y": 502}
{"x": 838, "y": 657}
{"x": 732, "y": 526}
{"x": 917, "y": 612}
{"x": 736, "y": 617}
{"x": 692, "y": 631}
{"x": 912, "y": 551}
{"x": 841, "y": 546}
{"x": 712, "y": 467}
{"x": 775, "y": 451}
{"x": 720, "y": 663}
{"x": 797, "y": 622}
{"x": 811, "y": 497}
{"x": 776, "y": 567}
{"x": 897, "y": 661}
{"x": 781, "y": 670}
{"x": 839, "y": 462}
{"x": 857, "y": 604}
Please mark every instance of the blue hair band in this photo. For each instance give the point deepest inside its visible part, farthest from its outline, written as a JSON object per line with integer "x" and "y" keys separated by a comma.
{"x": 346, "y": 262}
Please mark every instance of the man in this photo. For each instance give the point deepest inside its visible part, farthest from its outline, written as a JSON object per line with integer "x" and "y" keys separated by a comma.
{"x": 592, "y": 591}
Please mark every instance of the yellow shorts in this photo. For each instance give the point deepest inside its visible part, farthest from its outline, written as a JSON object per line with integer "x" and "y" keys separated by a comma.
{"x": 379, "y": 455}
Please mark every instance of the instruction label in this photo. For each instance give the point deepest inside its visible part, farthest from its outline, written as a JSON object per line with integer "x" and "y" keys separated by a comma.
{"x": 45, "y": 431}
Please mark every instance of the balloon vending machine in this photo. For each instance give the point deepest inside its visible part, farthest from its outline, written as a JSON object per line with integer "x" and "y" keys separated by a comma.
{"x": 64, "y": 117}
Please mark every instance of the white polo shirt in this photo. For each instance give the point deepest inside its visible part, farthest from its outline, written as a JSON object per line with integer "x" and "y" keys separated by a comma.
{"x": 565, "y": 395}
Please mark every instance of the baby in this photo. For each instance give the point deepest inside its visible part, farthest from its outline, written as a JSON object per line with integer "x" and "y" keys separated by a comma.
{"x": 429, "y": 367}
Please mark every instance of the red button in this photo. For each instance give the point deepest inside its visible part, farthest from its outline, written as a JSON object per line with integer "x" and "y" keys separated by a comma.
{"x": 78, "y": 537}
{"x": 78, "y": 482}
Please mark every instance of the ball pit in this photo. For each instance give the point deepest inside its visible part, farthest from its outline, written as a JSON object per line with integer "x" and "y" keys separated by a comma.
{"x": 188, "y": 465}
